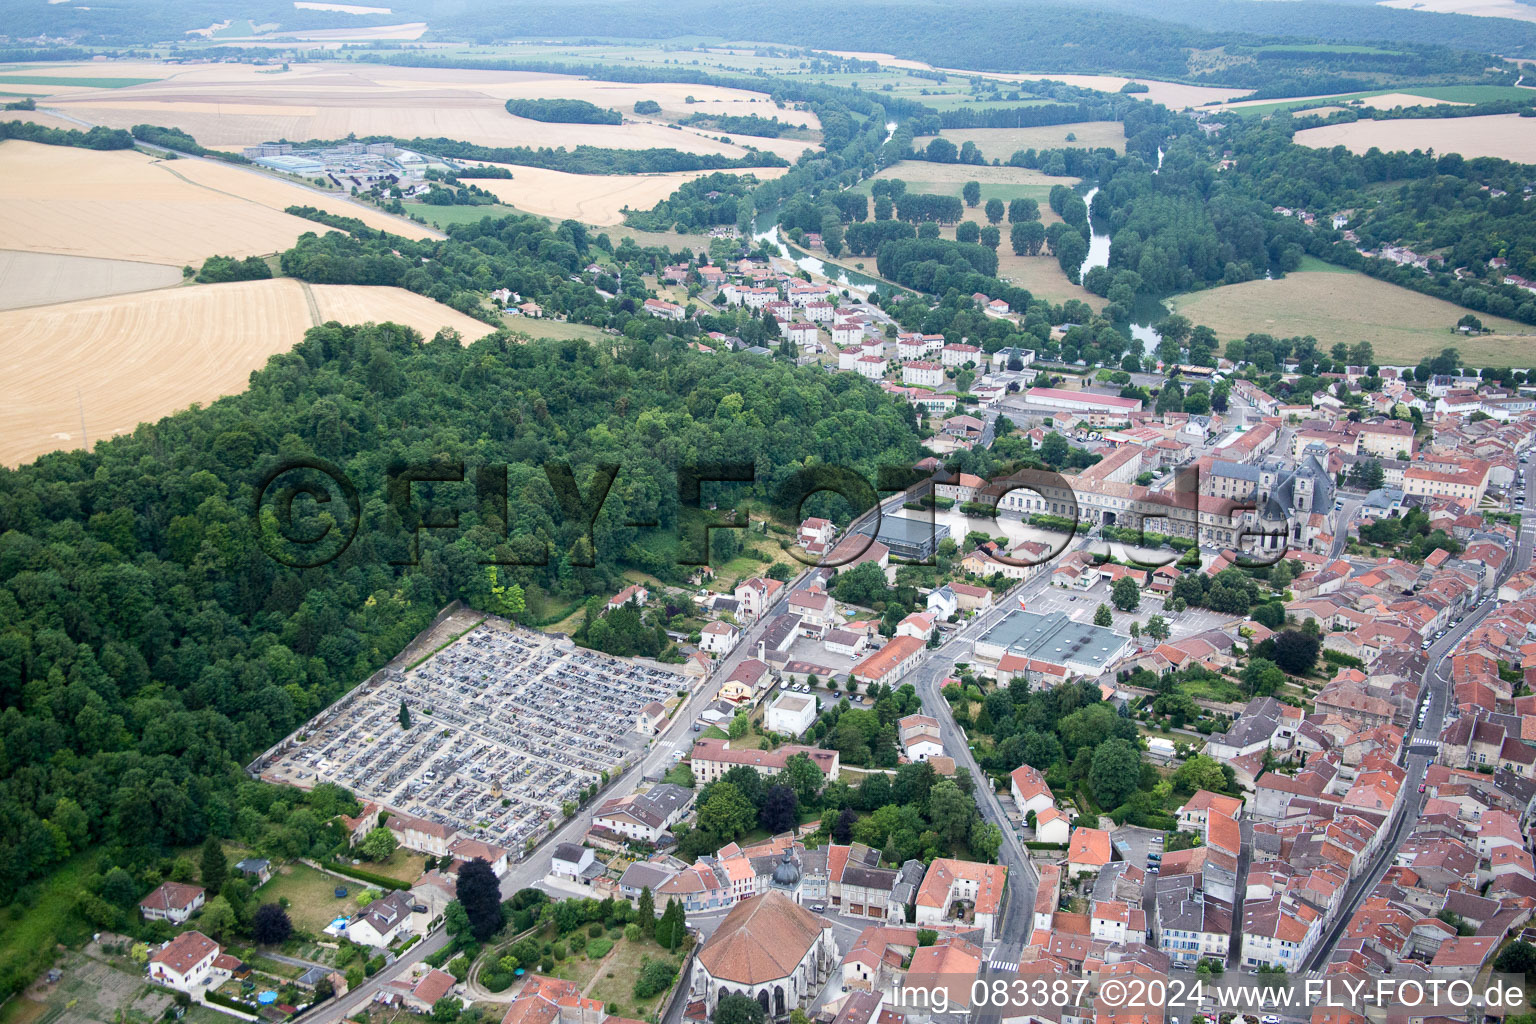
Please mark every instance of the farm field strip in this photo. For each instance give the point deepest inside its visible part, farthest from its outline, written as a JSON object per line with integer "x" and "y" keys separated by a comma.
{"x": 37, "y": 278}
{"x": 121, "y": 204}
{"x": 230, "y": 106}
{"x": 1348, "y": 306}
{"x": 124, "y": 360}
{"x": 596, "y": 199}
{"x": 1508, "y": 136}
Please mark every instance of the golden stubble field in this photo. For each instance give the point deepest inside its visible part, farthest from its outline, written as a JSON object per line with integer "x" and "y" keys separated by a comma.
{"x": 1343, "y": 305}
{"x": 596, "y": 199}
{"x": 1509, "y": 136}
{"x": 123, "y": 205}
{"x": 1475, "y": 8}
{"x": 226, "y": 106}
{"x": 130, "y": 359}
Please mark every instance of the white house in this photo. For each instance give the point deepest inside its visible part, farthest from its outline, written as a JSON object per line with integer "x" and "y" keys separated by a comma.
{"x": 185, "y": 962}
{"x": 918, "y": 625}
{"x": 791, "y": 714}
{"x": 816, "y": 535}
{"x": 173, "y": 902}
{"x": 919, "y": 737}
{"x": 571, "y": 861}
{"x": 1030, "y": 793}
{"x": 847, "y": 332}
{"x": 466, "y": 850}
{"x": 633, "y": 594}
{"x": 664, "y": 309}
{"x": 382, "y": 921}
{"x": 802, "y": 334}
{"x": 718, "y": 637}
{"x": 1052, "y": 826}
{"x": 923, "y": 375}
{"x": 649, "y": 718}
{"x": 873, "y": 367}
{"x": 644, "y": 816}
{"x": 755, "y": 595}
{"x": 942, "y": 603}
{"x": 959, "y": 355}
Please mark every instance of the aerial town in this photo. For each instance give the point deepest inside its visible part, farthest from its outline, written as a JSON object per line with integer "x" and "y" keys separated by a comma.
{"x": 831, "y": 513}
{"x": 1297, "y": 627}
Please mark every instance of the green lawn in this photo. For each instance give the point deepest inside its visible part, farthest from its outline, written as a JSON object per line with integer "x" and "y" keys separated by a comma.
{"x": 402, "y": 865}
{"x": 86, "y": 83}
{"x": 1212, "y": 689}
{"x": 312, "y": 902}
{"x": 616, "y": 983}
{"x": 1311, "y": 264}
{"x": 442, "y": 216}
{"x": 1448, "y": 93}
{"x": 28, "y": 934}
{"x": 559, "y": 330}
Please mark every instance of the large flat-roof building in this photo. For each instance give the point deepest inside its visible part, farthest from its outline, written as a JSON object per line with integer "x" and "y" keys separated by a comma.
{"x": 1082, "y": 401}
{"x": 914, "y": 539}
{"x": 1080, "y": 647}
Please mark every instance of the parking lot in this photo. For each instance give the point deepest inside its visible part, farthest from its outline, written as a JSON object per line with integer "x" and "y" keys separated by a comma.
{"x": 506, "y": 726}
{"x": 1048, "y": 599}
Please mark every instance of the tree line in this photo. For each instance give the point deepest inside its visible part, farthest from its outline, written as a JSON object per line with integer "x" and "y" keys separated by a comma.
{"x": 563, "y": 111}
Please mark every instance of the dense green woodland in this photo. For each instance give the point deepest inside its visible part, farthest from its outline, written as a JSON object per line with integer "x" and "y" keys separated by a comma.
{"x": 1112, "y": 36}
{"x": 563, "y": 111}
{"x": 150, "y": 644}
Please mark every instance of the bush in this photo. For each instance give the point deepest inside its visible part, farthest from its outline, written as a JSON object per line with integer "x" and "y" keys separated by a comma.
{"x": 654, "y": 977}
{"x": 598, "y": 948}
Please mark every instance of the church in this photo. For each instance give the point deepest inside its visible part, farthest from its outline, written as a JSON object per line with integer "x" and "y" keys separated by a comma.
{"x": 768, "y": 948}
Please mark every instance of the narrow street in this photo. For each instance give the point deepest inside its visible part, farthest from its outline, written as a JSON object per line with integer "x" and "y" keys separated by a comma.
{"x": 1422, "y": 743}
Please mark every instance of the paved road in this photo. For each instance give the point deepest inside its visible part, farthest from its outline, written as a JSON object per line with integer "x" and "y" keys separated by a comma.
{"x": 1343, "y": 519}
{"x": 530, "y": 871}
{"x": 1438, "y": 685}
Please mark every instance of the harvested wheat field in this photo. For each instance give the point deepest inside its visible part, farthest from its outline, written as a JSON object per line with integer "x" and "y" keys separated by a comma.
{"x": 276, "y": 194}
{"x": 597, "y": 199}
{"x": 307, "y": 5}
{"x": 1509, "y": 136}
{"x": 233, "y": 108}
{"x": 359, "y": 304}
{"x": 140, "y": 357}
{"x": 43, "y": 278}
{"x": 37, "y": 117}
{"x": 124, "y": 205}
{"x": 1475, "y": 8}
{"x": 1002, "y": 143}
{"x": 1170, "y": 94}
{"x": 1403, "y": 99}
{"x": 1343, "y": 305}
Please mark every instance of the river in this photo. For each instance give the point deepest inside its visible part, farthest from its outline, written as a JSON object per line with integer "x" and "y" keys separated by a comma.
{"x": 1146, "y": 313}
{"x": 765, "y": 228}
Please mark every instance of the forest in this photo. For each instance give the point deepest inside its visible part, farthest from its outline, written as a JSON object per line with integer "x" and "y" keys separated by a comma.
{"x": 563, "y": 111}
{"x": 1112, "y": 36}
{"x": 95, "y": 138}
{"x": 697, "y": 205}
{"x": 151, "y": 645}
